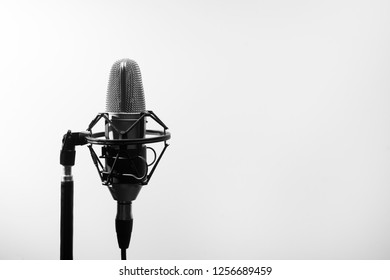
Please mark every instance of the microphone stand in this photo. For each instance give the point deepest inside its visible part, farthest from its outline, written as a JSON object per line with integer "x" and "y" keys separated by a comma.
{"x": 67, "y": 159}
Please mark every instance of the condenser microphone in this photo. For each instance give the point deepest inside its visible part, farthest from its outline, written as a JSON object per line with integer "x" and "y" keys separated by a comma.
{"x": 124, "y": 143}
{"x": 124, "y": 103}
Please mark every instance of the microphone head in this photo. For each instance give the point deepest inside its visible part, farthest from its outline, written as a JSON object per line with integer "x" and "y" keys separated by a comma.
{"x": 125, "y": 93}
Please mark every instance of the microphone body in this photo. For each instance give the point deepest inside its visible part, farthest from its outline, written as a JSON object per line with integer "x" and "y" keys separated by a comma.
{"x": 125, "y": 102}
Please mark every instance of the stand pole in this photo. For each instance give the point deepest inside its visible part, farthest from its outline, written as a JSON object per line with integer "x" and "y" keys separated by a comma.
{"x": 67, "y": 159}
{"x": 66, "y": 231}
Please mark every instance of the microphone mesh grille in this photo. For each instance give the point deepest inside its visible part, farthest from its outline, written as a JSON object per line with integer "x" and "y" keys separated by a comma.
{"x": 131, "y": 99}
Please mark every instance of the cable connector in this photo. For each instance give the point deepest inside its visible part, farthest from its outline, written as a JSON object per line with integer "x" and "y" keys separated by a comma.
{"x": 124, "y": 226}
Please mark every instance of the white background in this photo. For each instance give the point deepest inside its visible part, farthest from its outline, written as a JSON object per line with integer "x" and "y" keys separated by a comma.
{"x": 279, "y": 114}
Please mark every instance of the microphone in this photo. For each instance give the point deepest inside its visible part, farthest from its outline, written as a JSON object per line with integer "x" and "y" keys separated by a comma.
{"x": 124, "y": 103}
{"x": 123, "y": 143}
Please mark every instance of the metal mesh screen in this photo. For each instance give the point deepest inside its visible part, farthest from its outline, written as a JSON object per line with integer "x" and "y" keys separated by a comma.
{"x": 125, "y": 93}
